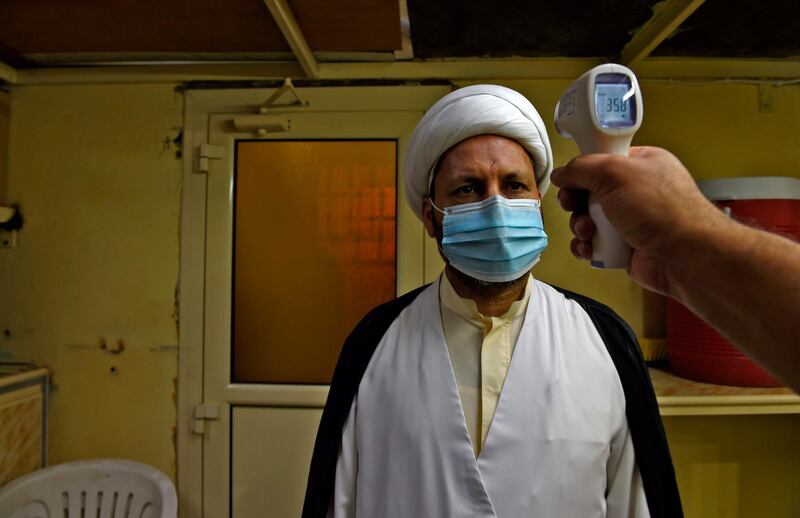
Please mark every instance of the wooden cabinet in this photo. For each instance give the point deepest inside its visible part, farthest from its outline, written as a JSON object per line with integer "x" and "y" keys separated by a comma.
{"x": 735, "y": 449}
{"x": 23, "y": 444}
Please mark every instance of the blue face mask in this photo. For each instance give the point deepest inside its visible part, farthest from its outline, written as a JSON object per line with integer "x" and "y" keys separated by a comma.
{"x": 494, "y": 240}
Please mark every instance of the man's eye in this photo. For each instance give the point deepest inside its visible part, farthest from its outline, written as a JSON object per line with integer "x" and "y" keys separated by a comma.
{"x": 465, "y": 189}
{"x": 516, "y": 186}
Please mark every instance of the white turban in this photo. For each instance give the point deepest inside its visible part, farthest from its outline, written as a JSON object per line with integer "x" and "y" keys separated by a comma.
{"x": 467, "y": 112}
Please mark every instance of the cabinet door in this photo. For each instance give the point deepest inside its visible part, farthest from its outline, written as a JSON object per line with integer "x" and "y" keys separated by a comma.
{"x": 20, "y": 432}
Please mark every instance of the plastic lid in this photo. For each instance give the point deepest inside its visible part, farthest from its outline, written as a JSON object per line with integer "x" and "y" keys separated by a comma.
{"x": 752, "y": 188}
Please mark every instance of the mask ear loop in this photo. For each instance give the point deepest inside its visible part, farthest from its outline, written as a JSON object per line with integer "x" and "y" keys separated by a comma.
{"x": 438, "y": 244}
{"x": 435, "y": 207}
{"x": 430, "y": 182}
{"x": 430, "y": 200}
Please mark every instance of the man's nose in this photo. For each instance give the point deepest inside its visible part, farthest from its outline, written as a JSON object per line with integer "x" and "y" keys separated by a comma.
{"x": 492, "y": 189}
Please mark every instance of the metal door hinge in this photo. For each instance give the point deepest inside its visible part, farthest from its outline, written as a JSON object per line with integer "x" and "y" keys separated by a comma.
{"x": 204, "y": 412}
{"x": 206, "y": 152}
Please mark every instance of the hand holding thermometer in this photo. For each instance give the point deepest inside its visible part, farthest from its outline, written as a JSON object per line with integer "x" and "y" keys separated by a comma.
{"x": 601, "y": 111}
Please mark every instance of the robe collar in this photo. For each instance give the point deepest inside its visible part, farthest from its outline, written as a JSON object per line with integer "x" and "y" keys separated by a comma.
{"x": 467, "y": 309}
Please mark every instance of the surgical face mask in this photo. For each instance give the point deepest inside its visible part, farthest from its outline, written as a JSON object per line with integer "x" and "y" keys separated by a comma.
{"x": 494, "y": 240}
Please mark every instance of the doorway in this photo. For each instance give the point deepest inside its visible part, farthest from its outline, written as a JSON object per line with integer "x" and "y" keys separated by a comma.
{"x": 288, "y": 239}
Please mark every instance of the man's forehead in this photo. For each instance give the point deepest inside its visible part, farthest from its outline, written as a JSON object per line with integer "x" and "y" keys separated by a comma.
{"x": 487, "y": 139}
{"x": 472, "y": 151}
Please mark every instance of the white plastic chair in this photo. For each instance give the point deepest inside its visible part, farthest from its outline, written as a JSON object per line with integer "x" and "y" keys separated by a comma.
{"x": 101, "y": 488}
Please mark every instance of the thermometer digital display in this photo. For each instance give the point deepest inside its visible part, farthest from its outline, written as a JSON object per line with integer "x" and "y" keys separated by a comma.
{"x": 601, "y": 110}
{"x": 612, "y": 99}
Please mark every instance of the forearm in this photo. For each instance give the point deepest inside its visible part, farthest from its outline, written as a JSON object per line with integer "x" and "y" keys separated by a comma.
{"x": 745, "y": 283}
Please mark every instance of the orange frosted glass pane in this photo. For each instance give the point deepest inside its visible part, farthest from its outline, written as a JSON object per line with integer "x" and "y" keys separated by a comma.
{"x": 314, "y": 252}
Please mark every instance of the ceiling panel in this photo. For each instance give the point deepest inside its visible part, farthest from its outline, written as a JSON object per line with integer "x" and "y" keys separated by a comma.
{"x": 350, "y": 25}
{"x": 738, "y": 28}
{"x": 236, "y": 26}
{"x": 572, "y": 28}
{"x": 46, "y": 26}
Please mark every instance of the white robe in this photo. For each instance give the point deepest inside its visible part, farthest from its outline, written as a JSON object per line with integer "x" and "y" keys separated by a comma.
{"x": 558, "y": 446}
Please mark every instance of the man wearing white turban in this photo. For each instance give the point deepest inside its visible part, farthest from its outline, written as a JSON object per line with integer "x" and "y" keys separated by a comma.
{"x": 488, "y": 393}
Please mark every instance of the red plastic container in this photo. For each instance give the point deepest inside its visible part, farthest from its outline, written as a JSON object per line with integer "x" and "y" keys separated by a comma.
{"x": 696, "y": 351}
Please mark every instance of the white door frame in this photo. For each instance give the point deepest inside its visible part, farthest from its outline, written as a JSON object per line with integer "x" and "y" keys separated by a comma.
{"x": 201, "y": 109}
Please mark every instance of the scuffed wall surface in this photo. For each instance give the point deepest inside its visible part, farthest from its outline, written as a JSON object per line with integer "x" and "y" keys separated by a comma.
{"x": 96, "y": 175}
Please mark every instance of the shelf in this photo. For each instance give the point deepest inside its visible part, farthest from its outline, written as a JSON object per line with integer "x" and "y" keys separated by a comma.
{"x": 10, "y": 379}
{"x": 678, "y": 396}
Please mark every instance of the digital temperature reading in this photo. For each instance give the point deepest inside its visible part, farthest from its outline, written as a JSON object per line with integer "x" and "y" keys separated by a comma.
{"x": 614, "y": 101}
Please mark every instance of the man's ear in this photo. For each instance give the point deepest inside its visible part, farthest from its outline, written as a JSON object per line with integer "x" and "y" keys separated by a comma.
{"x": 427, "y": 217}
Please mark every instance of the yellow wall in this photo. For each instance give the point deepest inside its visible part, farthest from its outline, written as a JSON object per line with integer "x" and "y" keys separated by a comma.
{"x": 737, "y": 466}
{"x": 97, "y": 259}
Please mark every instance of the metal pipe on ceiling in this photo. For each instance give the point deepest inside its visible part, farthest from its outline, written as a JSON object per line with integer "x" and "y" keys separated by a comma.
{"x": 464, "y": 70}
{"x": 8, "y": 73}
{"x": 667, "y": 16}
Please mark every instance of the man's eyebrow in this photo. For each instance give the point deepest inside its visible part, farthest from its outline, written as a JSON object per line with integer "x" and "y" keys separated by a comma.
{"x": 516, "y": 175}
{"x": 469, "y": 176}
{"x": 464, "y": 176}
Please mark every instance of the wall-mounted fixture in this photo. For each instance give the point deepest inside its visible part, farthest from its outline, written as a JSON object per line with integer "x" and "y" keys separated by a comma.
{"x": 10, "y": 223}
{"x": 262, "y": 124}
{"x": 266, "y": 122}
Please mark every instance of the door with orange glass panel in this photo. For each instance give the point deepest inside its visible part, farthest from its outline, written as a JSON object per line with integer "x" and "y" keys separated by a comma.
{"x": 306, "y": 231}
{"x": 314, "y": 251}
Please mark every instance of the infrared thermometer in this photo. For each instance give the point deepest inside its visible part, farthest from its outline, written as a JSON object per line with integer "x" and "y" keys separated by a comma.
{"x": 601, "y": 111}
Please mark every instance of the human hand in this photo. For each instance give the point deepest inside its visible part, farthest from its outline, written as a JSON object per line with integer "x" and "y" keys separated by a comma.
{"x": 649, "y": 197}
